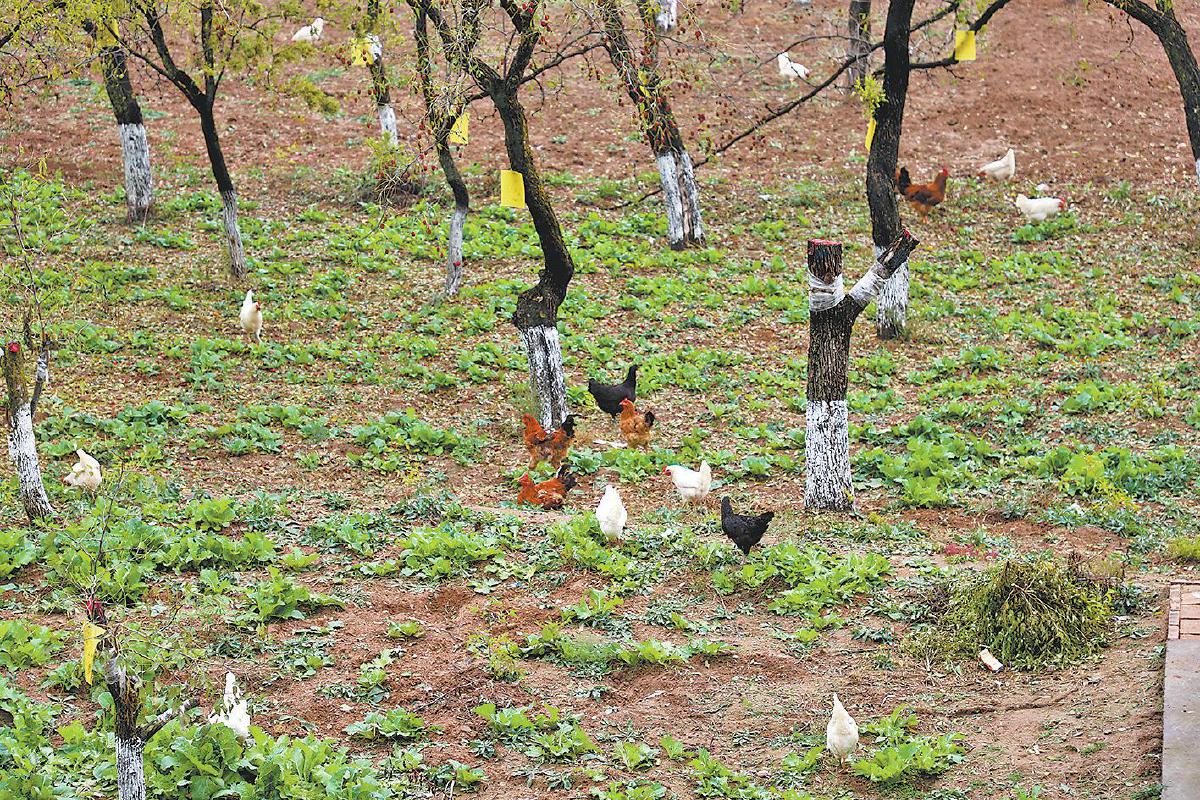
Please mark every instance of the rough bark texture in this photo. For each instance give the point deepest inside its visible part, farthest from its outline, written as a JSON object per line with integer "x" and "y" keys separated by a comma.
{"x": 859, "y": 34}
{"x": 639, "y": 75}
{"x": 546, "y": 376}
{"x": 22, "y": 446}
{"x": 827, "y": 444}
{"x": 387, "y": 122}
{"x": 233, "y": 234}
{"x": 135, "y": 147}
{"x": 130, "y": 737}
{"x": 892, "y": 306}
{"x": 1161, "y": 20}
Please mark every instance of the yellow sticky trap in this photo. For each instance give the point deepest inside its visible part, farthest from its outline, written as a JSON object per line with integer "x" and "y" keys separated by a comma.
{"x": 512, "y": 189}
{"x": 870, "y": 132}
{"x": 91, "y": 640}
{"x": 964, "y": 45}
{"x": 459, "y": 132}
{"x": 105, "y": 33}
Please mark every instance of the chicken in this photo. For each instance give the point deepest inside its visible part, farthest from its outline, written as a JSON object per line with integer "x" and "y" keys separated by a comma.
{"x": 611, "y": 514}
{"x": 636, "y": 426}
{"x": 233, "y": 713}
{"x": 250, "y": 317}
{"x": 743, "y": 531}
{"x": 791, "y": 69}
{"x": 310, "y": 33}
{"x": 690, "y": 484}
{"x": 1040, "y": 209}
{"x": 841, "y": 734}
{"x": 552, "y": 447}
{"x": 608, "y": 396}
{"x": 85, "y": 474}
{"x": 922, "y": 196}
{"x": 1001, "y": 170}
{"x": 549, "y": 494}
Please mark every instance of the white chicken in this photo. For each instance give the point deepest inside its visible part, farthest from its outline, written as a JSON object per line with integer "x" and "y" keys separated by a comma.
{"x": 1039, "y": 209}
{"x": 310, "y": 33}
{"x": 1002, "y": 169}
{"x": 233, "y": 713}
{"x": 611, "y": 514}
{"x": 690, "y": 484}
{"x": 251, "y": 318}
{"x": 789, "y": 68}
{"x": 841, "y": 734}
{"x": 85, "y": 474}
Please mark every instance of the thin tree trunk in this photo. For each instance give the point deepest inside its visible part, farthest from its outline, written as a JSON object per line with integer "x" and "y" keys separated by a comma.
{"x": 859, "y": 24}
{"x": 892, "y": 305}
{"x": 536, "y": 315}
{"x": 1165, "y": 25}
{"x": 229, "y": 209}
{"x": 639, "y": 75}
{"x": 380, "y": 88}
{"x": 832, "y": 312}
{"x": 668, "y": 16}
{"x": 440, "y": 124}
{"x": 22, "y": 444}
{"x": 131, "y": 738}
{"x": 454, "y": 244}
{"x": 135, "y": 147}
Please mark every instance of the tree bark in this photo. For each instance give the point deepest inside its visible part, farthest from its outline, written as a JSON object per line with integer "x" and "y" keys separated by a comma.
{"x": 380, "y": 87}
{"x": 536, "y": 315}
{"x": 131, "y": 737}
{"x": 643, "y": 84}
{"x": 1162, "y": 21}
{"x": 892, "y": 306}
{"x": 832, "y": 312}
{"x": 229, "y": 209}
{"x": 859, "y": 23}
{"x": 135, "y": 147}
{"x": 22, "y": 444}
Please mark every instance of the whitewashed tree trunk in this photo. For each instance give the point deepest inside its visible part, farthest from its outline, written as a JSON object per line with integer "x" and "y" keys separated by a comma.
{"x": 139, "y": 180}
{"x": 131, "y": 770}
{"x": 454, "y": 251}
{"x": 891, "y": 307}
{"x": 233, "y": 234}
{"x": 546, "y": 376}
{"x": 1198, "y": 170}
{"x": 387, "y": 123}
{"x": 22, "y": 451}
{"x": 668, "y": 15}
{"x": 827, "y": 456}
{"x": 681, "y": 198}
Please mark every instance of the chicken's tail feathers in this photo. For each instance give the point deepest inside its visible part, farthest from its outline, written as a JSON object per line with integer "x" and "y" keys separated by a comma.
{"x": 705, "y": 471}
{"x": 903, "y": 180}
{"x": 649, "y": 415}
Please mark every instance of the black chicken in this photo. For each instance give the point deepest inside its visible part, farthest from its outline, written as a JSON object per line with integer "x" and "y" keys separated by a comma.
{"x": 608, "y": 396}
{"x": 743, "y": 531}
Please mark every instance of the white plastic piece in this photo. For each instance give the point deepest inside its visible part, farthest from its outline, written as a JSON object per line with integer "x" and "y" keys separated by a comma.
{"x": 824, "y": 296}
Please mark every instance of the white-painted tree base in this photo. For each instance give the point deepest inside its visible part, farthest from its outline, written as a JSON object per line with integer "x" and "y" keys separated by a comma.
{"x": 546, "y": 377}
{"x": 139, "y": 179}
{"x": 891, "y": 306}
{"x": 454, "y": 251}
{"x": 131, "y": 769}
{"x": 22, "y": 451}
{"x": 668, "y": 16}
{"x": 387, "y": 123}
{"x": 681, "y": 199}
{"x": 233, "y": 234}
{"x": 1198, "y": 170}
{"x": 827, "y": 456}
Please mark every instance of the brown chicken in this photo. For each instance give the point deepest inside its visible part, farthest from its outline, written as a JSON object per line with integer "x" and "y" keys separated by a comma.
{"x": 552, "y": 447}
{"x": 549, "y": 494}
{"x": 922, "y": 196}
{"x": 636, "y": 425}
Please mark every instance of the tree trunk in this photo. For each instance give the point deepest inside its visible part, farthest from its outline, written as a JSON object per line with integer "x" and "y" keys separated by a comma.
{"x": 639, "y": 75}
{"x": 131, "y": 769}
{"x": 22, "y": 445}
{"x": 380, "y": 88}
{"x": 668, "y": 16}
{"x": 860, "y": 42}
{"x": 229, "y": 210}
{"x": 1165, "y": 25}
{"x": 135, "y": 147}
{"x": 454, "y": 244}
{"x": 127, "y": 703}
{"x": 536, "y": 316}
{"x": 832, "y": 312}
{"x": 892, "y": 306}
